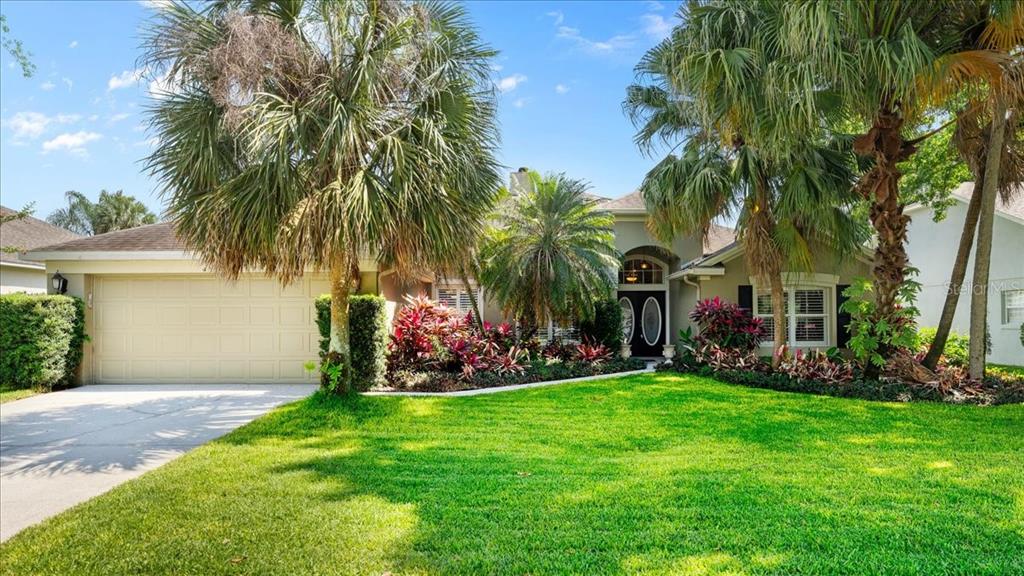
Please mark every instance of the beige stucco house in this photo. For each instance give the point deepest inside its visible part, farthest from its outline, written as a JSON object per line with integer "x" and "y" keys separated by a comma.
{"x": 18, "y": 274}
{"x": 932, "y": 247}
{"x": 155, "y": 314}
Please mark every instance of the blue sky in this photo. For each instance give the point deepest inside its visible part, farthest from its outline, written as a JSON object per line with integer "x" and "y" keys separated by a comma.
{"x": 79, "y": 122}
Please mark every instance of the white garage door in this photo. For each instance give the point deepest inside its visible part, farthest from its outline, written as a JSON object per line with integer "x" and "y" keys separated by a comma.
{"x": 198, "y": 329}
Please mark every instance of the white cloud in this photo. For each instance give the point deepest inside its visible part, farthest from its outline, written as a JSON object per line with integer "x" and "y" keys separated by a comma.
{"x": 510, "y": 83}
{"x": 74, "y": 44}
{"x": 94, "y": 117}
{"x": 656, "y": 26}
{"x": 73, "y": 142}
{"x": 125, "y": 79}
{"x": 161, "y": 86}
{"x": 557, "y": 15}
{"x": 119, "y": 117}
{"x": 520, "y": 102}
{"x": 47, "y": 86}
{"x": 561, "y": 88}
{"x": 655, "y": 6}
{"x": 33, "y": 124}
{"x": 67, "y": 82}
{"x": 497, "y": 67}
{"x": 597, "y": 47}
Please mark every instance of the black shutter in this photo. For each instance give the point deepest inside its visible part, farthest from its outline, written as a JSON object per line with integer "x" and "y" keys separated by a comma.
{"x": 842, "y": 318}
{"x": 745, "y": 298}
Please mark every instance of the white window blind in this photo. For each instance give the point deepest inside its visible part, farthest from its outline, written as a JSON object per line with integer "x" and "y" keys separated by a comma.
{"x": 806, "y": 314}
{"x": 456, "y": 298}
{"x": 1013, "y": 306}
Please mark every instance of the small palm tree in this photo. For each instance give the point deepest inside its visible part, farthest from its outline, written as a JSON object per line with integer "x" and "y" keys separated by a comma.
{"x": 112, "y": 211}
{"x": 310, "y": 135}
{"x": 552, "y": 254}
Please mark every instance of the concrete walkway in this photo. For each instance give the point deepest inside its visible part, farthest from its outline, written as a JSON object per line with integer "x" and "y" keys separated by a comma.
{"x": 62, "y": 448}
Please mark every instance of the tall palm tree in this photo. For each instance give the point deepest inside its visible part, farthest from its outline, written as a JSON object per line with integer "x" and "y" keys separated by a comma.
{"x": 308, "y": 135}
{"x": 704, "y": 86}
{"x": 110, "y": 212}
{"x": 887, "y": 62}
{"x": 552, "y": 253}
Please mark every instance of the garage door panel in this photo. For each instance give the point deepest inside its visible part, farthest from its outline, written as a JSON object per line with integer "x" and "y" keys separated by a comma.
{"x": 198, "y": 329}
{"x": 318, "y": 287}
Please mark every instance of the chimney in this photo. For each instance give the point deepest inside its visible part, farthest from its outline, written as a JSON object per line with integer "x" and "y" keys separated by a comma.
{"x": 519, "y": 182}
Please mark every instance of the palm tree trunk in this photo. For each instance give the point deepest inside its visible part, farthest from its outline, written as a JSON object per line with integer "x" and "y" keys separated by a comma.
{"x": 337, "y": 366}
{"x": 956, "y": 280}
{"x": 983, "y": 253}
{"x": 881, "y": 188}
{"x": 477, "y": 317}
{"x": 778, "y": 317}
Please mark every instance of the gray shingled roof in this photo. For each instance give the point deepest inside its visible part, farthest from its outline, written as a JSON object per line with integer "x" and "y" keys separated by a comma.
{"x": 148, "y": 238}
{"x": 1015, "y": 207}
{"x": 29, "y": 233}
{"x": 630, "y": 202}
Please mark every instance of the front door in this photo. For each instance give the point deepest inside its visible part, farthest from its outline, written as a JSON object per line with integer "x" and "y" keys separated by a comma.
{"x": 643, "y": 321}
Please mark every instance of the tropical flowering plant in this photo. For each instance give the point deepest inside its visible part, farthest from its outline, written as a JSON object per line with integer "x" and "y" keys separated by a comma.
{"x": 726, "y": 325}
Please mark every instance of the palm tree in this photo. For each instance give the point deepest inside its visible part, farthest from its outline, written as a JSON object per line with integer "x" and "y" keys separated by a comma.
{"x": 112, "y": 211}
{"x": 703, "y": 86}
{"x": 309, "y": 135}
{"x": 887, "y": 62}
{"x": 552, "y": 254}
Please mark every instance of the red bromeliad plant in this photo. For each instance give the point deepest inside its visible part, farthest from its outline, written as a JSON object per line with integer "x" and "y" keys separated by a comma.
{"x": 726, "y": 325}
{"x": 592, "y": 353}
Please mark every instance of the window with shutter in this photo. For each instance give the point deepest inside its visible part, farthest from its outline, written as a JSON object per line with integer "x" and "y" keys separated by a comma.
{"x": 806, "y": 316}
{"x": 1013, "y": 306}
{"x": 457, "y": 298}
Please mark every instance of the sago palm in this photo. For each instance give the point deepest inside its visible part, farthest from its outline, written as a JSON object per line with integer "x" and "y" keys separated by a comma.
{"x": 704, "y": 86}
{"x": 551, "y": 253}
{"x": 307, "y": 135}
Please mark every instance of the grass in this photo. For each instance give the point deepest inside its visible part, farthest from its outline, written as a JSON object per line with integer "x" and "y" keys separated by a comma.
{"x": 8, "y": 394}
{"x": 652, "y": 474}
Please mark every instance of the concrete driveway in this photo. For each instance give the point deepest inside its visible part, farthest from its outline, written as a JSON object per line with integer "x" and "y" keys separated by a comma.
{"x": 62, "y": 448}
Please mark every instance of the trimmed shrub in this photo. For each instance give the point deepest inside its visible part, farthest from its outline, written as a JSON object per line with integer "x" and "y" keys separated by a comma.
{"x": 41, "y": 339}
{"x": 368, "y": 337}
{"x": 957, "y": 349}
{"x": 606, "y": 327}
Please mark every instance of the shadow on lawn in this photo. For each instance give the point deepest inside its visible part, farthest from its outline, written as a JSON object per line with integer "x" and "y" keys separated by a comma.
{"x": 654, "y": 478}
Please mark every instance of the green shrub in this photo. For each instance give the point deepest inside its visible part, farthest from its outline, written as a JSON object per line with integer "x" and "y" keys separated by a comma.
{"x": 957, "y": 350}
{"x": 606, "y": 327}
{"x": 368, "y": 337}
{"x": 41, "y": 340}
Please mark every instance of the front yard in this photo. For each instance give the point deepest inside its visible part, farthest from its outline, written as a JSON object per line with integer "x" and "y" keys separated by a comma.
{"x": 657, "y": 474}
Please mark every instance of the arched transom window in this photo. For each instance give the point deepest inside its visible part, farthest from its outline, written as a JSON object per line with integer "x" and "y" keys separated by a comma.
{"x": 639, "y": 270}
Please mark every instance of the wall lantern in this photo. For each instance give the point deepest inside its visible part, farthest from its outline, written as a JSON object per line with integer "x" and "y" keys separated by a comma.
{"x": 59, "y": 283}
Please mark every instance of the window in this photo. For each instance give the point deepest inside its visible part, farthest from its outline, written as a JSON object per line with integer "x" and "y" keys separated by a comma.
{"x": 806, "y": 314}
{"x": 457, "y": 298}
{"x": 641, "y": 271}
{"x": 1013, "y": 306}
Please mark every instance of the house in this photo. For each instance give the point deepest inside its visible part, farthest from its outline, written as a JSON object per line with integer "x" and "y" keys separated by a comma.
{"x": 932, "y": 247}
{"x": 154, "y": 314}
{"x": 18, "y": 235}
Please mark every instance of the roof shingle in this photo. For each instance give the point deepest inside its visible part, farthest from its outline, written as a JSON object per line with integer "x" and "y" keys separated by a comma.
{"x": 151, "y": 237}
{"x": 29, "y": 233}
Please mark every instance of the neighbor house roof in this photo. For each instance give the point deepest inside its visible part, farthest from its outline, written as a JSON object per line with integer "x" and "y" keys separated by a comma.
{"x": 157, "y": 237}
{"x": 632, "y": 202}
{"x": 26, "y": 234}
{"x": 1014, "y": 208}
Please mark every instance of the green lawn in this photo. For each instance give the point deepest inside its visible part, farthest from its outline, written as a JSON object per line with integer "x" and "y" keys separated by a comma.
{"x": 653, "y": 474}
{"x": 12, "y": 394}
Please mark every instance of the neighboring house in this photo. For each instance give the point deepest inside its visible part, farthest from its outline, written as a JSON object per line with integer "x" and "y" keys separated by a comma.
{"x": 932, "y": 248}
{"x": 155, "y": 315}
{"x": 20, "y": 235}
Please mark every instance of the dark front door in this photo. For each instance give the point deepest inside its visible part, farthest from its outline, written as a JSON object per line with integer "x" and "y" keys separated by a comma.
{"x": 643, "y": 321}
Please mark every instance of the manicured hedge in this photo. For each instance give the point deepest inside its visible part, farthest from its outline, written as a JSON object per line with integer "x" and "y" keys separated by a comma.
{"x": 606, "y": 327}
{"x": 368, "y": 337}
{"x": 41, "y": 339}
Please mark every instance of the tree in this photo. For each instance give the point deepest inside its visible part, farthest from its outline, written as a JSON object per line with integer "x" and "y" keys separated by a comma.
{"x": 112, "y": 211}
{"x": 552, "y": 253}
{"x": 995, "y": 27}
{"x": 16, "y": 49}
{"x": 705, "y": 88}
{"x": 309, "y": 135}
{"x": 888, "y": 62}
{"x": 25, "y": 212}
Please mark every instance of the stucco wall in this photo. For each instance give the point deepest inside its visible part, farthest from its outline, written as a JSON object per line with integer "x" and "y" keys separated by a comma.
{"x": 737, "y": 274}
{"x": 16, "y": 279}
{"x": 932, "y": 248}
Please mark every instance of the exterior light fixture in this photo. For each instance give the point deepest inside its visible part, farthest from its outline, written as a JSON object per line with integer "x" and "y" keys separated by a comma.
{"x": 643, "y": 265}
{"x": 59, "y": 283}
{"x": 631, "y": 277}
